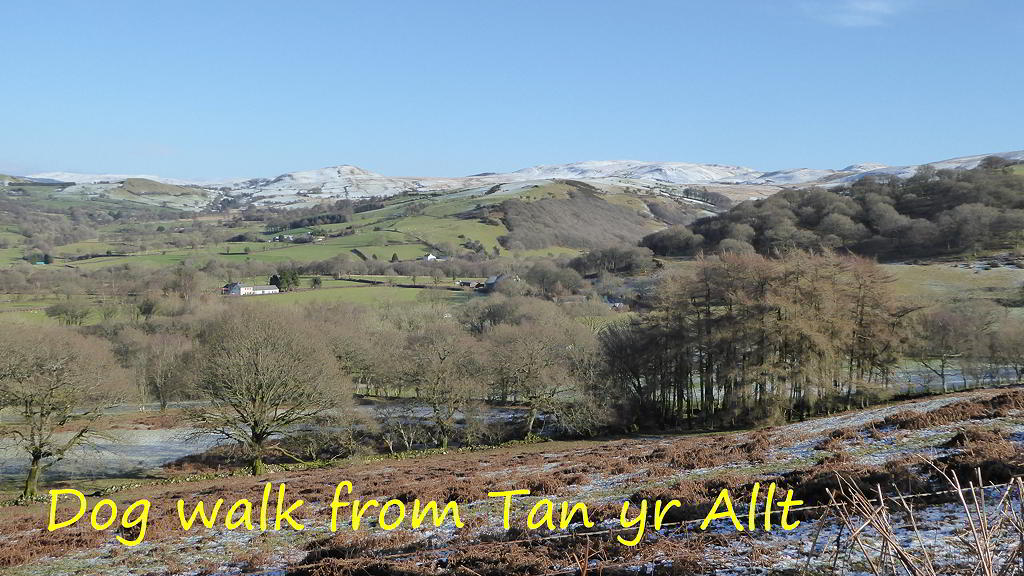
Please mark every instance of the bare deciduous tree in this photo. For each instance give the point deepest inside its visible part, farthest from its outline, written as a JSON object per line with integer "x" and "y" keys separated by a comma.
{"x": 55, "y": 379}
{"x": 163, "y": 366}
{"x": 265, "y": 374}
{"x": 446, "y": 377}
{"x": 536, "y": 363}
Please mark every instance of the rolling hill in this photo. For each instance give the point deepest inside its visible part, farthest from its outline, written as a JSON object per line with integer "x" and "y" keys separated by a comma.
{"x": 308, "y": 187}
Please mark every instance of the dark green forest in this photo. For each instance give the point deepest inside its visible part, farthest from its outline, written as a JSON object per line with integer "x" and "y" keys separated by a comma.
{"x": 933, "y": 213}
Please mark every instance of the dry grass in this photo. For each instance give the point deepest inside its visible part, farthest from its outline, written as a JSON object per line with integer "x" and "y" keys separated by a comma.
{"x": 815, "y": 484}
{"x": 652, "y": 469}
{"x": 25, "y": 548}
{"x": 987, "y": 450}
{"x": 708, "y": 452}
{"x": 595, "y": 554}
{"x": 990, "y": 543}
{"x": 998, "y": 406}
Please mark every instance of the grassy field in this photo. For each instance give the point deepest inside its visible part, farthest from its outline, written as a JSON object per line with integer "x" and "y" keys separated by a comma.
{"x": 944, "y": 281}
{"x": 14, "y": 302}
{"x": 439, "y": 225}
{"x": 931, "y": 282}
{"x": 408, "y": 279}
{"x": 367, "y": 294}
{"x": 264, "y": 252}
{"x": 450, "y": 231}
{"x": 90, "y": 247}
{"x": 32, "y": 309}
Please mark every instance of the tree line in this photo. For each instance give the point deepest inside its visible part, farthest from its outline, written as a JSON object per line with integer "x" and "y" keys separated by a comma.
{"x": 263, "y": 374}
{"x": 730, "y": 341}
{"x": 934, "y": 212}
{"x": 748, "y": 340}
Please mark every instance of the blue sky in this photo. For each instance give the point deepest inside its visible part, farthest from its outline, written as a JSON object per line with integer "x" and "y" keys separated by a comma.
{"x": 211, "y": 89}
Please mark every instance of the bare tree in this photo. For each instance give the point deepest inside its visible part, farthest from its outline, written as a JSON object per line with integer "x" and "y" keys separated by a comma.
{"x": 265, "y": 374}
{"x": 533, "y": 363}
{"x": 939, "y": 340}
{"x": 399, "y": 429}
{"x": 163, "y": 366}
{"x": 54, "y": 378}
{"x": 446, "y": 378}
{"x": 1008, "y": 346}
{"x": 71, "y": 312}
{"x": 751, "y": 339}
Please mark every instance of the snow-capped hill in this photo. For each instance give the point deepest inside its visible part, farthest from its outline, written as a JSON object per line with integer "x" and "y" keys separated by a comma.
{"x": 814, "y": 176}
{"x": 343, "y": 181}
{"x": 324, "y": 175}
{"x": 970, "y": 162}
{"x": 78, "y": 178}
{"x": 791, "y": 177}
{"x": 672, "y": 172}
{"x": 81, "y": 178}
{"x": 306, "y": 187}
{"x": 960, "y": 163}
{"x": 346, "y": 181}
{"x": 864, "y": 167}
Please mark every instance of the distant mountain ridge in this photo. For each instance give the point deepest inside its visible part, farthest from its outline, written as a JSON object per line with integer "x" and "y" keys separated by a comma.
{"x": 347, "y": 181}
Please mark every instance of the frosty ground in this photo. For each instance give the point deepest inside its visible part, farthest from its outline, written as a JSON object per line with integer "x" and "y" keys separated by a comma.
{"x": 881, "y": 446}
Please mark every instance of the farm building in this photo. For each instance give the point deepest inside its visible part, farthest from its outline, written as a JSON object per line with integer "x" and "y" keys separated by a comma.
{"x": 491, "y": 283}
{"x": 238, "y": 289}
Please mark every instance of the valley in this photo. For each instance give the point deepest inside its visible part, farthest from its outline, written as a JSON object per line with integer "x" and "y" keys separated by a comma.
{"x": 574, "y": 288}
{"x": 598, "y": 333}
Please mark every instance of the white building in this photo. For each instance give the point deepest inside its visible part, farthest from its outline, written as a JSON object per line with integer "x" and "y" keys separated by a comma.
{"x": 237, "y": 289}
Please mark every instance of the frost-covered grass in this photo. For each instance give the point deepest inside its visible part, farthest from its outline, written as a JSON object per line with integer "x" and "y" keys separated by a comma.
{"x": 602, "y": 473}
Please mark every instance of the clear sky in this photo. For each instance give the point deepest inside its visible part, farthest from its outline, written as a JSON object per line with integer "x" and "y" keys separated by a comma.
{"x": 216, "y": 88}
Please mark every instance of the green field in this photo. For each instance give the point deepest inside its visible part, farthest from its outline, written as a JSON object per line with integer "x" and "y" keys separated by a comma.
{"x": 367, "y": 294}
{"x": 16, "y": 308}
{"x": 944, "y": 281}
{"x": 408, "y": 227}
{"x": 935, "y": 282}
{"x": 408, "y": 279}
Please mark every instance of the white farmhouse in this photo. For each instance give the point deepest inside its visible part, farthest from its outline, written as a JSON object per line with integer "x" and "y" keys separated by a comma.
{"x": 238, "y": 289}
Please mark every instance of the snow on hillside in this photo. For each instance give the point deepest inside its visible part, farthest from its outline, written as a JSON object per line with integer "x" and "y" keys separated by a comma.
{"x": 82, "y": 178}
{"x": 78, "y": 178}
{"x": 969, "y": 162}
{"x": 790, "y": 177}
{"x": 863, "y": 167}
{"x": 674, "y": 172}
{"x": 346, "y": 181}
{"x": 961, "y": 163}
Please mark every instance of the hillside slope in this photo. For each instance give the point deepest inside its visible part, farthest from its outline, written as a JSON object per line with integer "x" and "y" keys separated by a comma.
{"x": 345, "y": 181}
{"x": 868, "y": 446}
{"x": 941, "y": 214}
